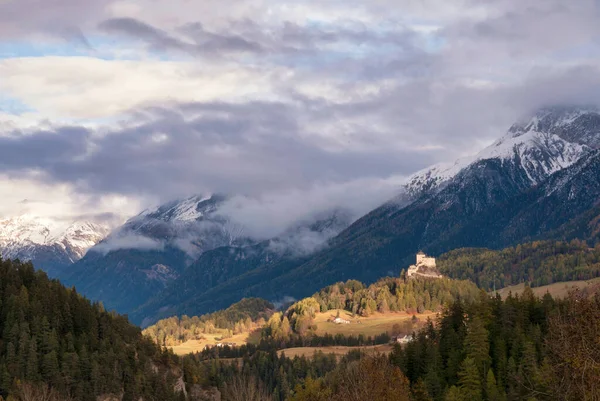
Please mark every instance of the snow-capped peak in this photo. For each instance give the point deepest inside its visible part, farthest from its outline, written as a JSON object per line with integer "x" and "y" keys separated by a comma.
{"x": 81, "y": 236}
{"x": 23, "y": 237}
{"x": 574, "y": 124}
{"x": 184, "y": 210}
{"x": 550, "y": 140}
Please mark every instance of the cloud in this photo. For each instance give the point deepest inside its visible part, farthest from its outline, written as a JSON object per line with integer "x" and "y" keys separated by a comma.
{"x": 79, "y": 88}
{"x": 199, "y": 41}
{"x": 293, "y": 106}
{"x": 60, "y": 18}
{"x": 128, "y": 241}
{"x": 203, "y": 147}
{"x": 271, "y": 214}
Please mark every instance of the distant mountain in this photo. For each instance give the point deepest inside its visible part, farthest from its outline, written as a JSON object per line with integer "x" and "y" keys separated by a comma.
{"x": 49, "y": 244}
{"x": 150, "y": 250}
{"x": 185, "y": 247}
{"x": 550, "y": 140}
{"x": 538, "y": 181}
{"x": 224, "y": 264}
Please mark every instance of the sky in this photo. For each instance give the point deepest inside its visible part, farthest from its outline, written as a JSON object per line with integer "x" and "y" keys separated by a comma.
{"x": 111, "y": 106}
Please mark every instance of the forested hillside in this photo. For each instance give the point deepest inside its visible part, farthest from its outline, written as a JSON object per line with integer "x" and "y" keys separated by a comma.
{"x": 388, "y": 294}
{"x": 536, "y": 263}
{"x": 522, "y": 348}
{"x": 246, "y": 315}
{"x": 52, "y": 336}
{"x": 490, "y": 204}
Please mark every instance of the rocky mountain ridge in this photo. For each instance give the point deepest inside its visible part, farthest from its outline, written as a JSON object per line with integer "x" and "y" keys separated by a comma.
{"x": 48, "y": 243}
{"x": 551, "y": 139}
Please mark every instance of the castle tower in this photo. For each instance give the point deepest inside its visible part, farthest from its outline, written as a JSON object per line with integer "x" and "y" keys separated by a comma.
{"x": 420, "y": 256}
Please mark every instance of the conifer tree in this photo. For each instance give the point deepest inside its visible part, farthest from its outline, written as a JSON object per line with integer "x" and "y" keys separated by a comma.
{"x": 492, "y": 391}
{"x": 470, "y": 384}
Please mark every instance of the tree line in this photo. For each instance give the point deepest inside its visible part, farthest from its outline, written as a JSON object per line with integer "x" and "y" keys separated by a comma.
{"x": 537, "y": 263}
{"x": 522, "y": 348}
{"x": 55, "y": 342}
{"x": 243, "y": 316}
{"x": 386, "y": 295}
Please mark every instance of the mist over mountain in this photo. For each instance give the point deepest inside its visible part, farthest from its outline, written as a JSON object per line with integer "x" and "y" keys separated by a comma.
{"x": 514, "y": 190}
{"x": 202, "y": 253}
{"x": 168, "y": 244}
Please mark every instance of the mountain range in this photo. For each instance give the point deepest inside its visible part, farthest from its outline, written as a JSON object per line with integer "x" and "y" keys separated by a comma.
{"x": 540, "y": 180}
{"x": 46, "y": 242}
{"x": 529, "y": 184}
{"x": 168, "y": 246}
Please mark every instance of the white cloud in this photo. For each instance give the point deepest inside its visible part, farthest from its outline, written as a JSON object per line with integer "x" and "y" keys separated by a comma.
{"x": 130, "y": 241}
{"x": 89, "y": 88}
{"x": 267, "y": 215}
{"x": 352, "y": 92}
{"x": 61, "y": 203}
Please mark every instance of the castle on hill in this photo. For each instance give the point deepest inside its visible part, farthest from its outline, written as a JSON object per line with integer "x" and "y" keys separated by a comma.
{"x": 425, "y": 267}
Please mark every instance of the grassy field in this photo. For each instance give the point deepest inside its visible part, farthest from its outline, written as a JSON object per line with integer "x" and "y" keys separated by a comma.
{"x": 212, "y": 339}
{"x": 557, "y": 290}
{"x": 373, "y": 325}
{"x": 338, "y": 351}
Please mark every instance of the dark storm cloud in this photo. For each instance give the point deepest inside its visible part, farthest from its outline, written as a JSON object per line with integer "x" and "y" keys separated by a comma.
{"x": 232, "y": 148}
{"x": 41, "y": 150}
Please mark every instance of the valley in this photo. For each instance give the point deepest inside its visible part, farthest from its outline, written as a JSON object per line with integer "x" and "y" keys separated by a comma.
{"x": 299, "y": 200}
{"x": 393, "y": 323}
{"x": 330, "y": 290}
{"x": 212, "y": 340}
{"x": 309, "y": 352}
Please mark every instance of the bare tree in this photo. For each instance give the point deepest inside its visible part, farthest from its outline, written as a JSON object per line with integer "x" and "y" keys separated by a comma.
{"x": 246, "y": 388}
{"x": 372, "y": 378}
{"x": 38, "y": 392}
{"x": 574, "y": 349}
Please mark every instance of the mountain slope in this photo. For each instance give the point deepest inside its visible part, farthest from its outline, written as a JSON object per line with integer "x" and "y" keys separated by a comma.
{"x": 150, "y": 250}
{"x": 224, "y": 264}
{"x": 185, "y": 247}
{"x": 550, "y": 140}
{"x": 46, "y": 242}
{"x": 52, "y": 336}
{"x": 519, "y": 188}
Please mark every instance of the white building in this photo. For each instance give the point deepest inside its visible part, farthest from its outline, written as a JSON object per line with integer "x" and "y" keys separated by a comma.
{"x": 403, "y": 340}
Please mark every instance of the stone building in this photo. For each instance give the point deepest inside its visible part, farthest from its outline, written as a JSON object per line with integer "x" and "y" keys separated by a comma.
{"x": 425, "y": 267}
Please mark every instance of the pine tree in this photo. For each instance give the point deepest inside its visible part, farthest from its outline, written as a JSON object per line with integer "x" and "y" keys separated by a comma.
{"x": 477, "y": 346}
{"x": 454, "y": 394}
{"x": 492, "y": 391}
{"x": 32, "y": 370}
{"x": 419, "y": 392}
{"x": 470, "y": 384}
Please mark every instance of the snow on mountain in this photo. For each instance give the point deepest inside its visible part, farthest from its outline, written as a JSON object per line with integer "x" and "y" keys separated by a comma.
{"x": 190, "y": 209}
{"x": 81, "y": 236}
{"x": 193, "y": 225}
{"x": 552, "y": 139}
{"x": 27, "y": 236}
